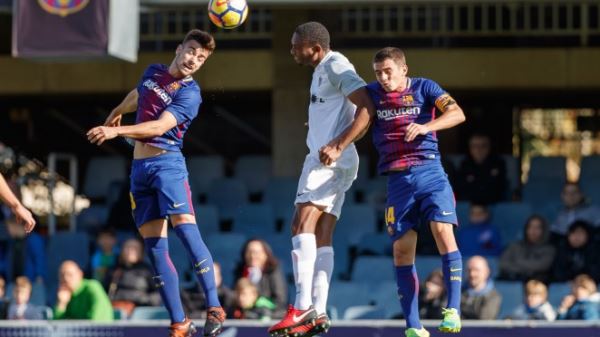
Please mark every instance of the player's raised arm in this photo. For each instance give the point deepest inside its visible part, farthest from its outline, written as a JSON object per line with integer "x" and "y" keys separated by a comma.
{"x": 129, "y": 104}
{"x": 452, "y": 115}
{"x": 21, "y": 213}
{"x": 149, "y": 129}
{"x": 362, "y": 119}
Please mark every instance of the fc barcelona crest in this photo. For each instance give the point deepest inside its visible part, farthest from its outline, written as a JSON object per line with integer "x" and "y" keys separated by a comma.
{"x": 63, "y": 7}
{"x": 407, "y": 100}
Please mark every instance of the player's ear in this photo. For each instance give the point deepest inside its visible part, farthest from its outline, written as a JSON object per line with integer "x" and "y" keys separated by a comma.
{"x": 179, "y": 49}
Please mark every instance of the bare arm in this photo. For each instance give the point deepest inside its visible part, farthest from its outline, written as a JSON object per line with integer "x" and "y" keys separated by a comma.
{"x": 22, "y": 214}
{"x": 149, "y": 129}
{"x": 365, "y": 111}
{"x": 452, "y": 115}
{"x": 129, "y": 104}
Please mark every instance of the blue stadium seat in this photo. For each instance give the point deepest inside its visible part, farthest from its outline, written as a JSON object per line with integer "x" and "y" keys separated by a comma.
{"x": 376, "y": 193}
{"x": 513, "y": 173}
{"x": 355, "y": 221}
{"x": 462, "y": 212}
{"x": 343, "y": 295}
{"x": 548, "y": 168}
{"x": 254, "y": 220}
{"x": 374, "y": 244}
{"x": 385, "y": 295}
{"x": 281, "y": 245}
{"x": 255, "y": 171}
{"x": 369, "y": 268}
{"x": 228, "y": 194}
{"x": 281, "y": 193}
{"x": 541, "y": 192}
{"x": 557, "y": 291}
{"x": 425, "y": 264}
{"x": 590, "y": 166}
{"x": 207, "y": 218}
{"x": 364, "y": 312}
{"x": 92, "y": 218}
{"x": 38, "y": 294}
{"x": 181, "y": 261}
{"x": 362, "y": 177}
{"x": 510, "y": 218}
{"x": 512, "y": 296}
{"x": 203, "y": 170}
{"x": 149, "y": 313}
{"x": 101, "y": 172}
{"x": 79, "y": 251}
{"x": 226, "y": 249}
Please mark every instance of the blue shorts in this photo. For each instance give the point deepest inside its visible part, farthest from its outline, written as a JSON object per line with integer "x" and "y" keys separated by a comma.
{"x": 159, "y": 187}
{"x": 420, "y": 194}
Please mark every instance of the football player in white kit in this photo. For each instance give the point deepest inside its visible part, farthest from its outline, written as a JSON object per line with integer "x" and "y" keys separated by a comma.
{"x": 336, "y": 93}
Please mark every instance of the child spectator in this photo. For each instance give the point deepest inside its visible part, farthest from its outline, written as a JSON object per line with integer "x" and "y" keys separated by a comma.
{"x": 20, "y": 308}
{"x": 582, "y": 304}
{"x": 106, "y": 254}
{"x": 536, "y": 305}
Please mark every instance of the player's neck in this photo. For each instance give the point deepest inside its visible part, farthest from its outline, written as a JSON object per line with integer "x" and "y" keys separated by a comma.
{"x": 322, "y": 54}
{"x": 403, "y": 85}
{"x": 173, "y": 71}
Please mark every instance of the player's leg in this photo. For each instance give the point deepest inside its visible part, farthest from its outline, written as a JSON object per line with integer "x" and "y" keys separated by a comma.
{"x": 187, "y": 231}
{"x": 304, "y": 254}
{"x": 443, "y": 233}
{"x": 165, "y": 277}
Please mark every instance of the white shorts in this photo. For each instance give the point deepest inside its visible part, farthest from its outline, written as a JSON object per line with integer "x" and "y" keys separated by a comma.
{"x": 324, "y": 185}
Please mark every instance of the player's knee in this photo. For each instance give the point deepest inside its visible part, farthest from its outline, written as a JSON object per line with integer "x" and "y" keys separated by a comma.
{"x": 178, "y": 219}
{"x": 158, "y": 282}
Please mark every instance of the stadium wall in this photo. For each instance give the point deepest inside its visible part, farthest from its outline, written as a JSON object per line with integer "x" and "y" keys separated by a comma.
{"x": 259, "y": 329}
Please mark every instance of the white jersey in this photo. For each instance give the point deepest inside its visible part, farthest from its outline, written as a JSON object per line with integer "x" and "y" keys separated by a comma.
{"x": 330, "y": 112}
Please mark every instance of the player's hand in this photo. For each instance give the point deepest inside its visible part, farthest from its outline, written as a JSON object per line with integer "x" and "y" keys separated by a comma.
{"x": 24, "y": 217}
{"x": 100, "y": 134}
{"x": 113, "y": 120}
{"x": 329, "y": 153}
{"x": 413, "y": 130}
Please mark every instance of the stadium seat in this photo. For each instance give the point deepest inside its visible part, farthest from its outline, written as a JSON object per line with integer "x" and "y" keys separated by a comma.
{"x": 362, "y": 177}
{"x": 512, "y": 296}
{"x": 92, "y": 218}
{"x": 181, "y": 261}
{"x": 226, "y": 249}
{"x": 374, "y": 244}
{"x": 425, "y": 264}
{"x": 228, "y": 194}
{"x": 513, "y": 173}
{"x": 557, "y": 291}
{"x": 385, "y": 295}
{"x": 548, "y": 168}
{"x": 364, "y": 312}
{"x": 281, "y": 193}
{"x": 355, "y": 221}
{"x": 101, "y": 172}
{"x": 38, "y": 294}
{"x": 254, "y": 220}
{"x": 47, "y": 313}
{"x": 203, "y": 170}
{"x": 510, "y": 218}
{"x": 207, "y": 218}
{"x": 149, "y": 313}
{"x": 281, "y": 245}
{"x": 79, "y": 247}
{"x": 369, "y": 268}
{"x": 255, "y": 171}
{"x": 590, "y": 166}
{"x": 343, "y": 295}
{"x": 462, "y": 212}
{"x": 541, "y": 192}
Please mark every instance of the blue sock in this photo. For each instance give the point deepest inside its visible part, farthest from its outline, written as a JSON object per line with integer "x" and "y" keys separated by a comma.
{"x": 201, "y": 259}
{"x": 165, "y": 279}
{"x": 452, "y": 269}
{"x": 408, "y": 289}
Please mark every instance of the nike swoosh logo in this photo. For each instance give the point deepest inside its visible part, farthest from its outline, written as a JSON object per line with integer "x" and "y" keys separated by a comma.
{"x": 178, "y": 205}
{"x": 297, "y": 319}
{"x": 200, "y": 263}
{"x": 453, "y": 270}
{"x": 447, "y": 213}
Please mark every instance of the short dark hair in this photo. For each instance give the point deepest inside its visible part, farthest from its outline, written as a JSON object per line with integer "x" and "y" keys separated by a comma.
{"x": 314, "y": 32}
{"x": 396, "y": 54}
{"x": 206, "y": 40}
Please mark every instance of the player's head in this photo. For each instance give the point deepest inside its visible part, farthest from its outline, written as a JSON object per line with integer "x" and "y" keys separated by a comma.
{"x": 579, "y": 234}
{"x": 536, "y": 293}
{"x": 536, "y": 230}
{"x": 584, "y": 286}
{"x": 70, "y": 275}
{"x": 390, "y": 68}
{"x": 246, "y": 293}
{"x": 310, "y": 43}
{"x": 257, "y": 253}
{"x": 22, "y": 290}
{"x": 193, "y": 51}
{"x": 571, "y": 195}
{"x": 478, "y": 213}
{"x": 478, "y": 272}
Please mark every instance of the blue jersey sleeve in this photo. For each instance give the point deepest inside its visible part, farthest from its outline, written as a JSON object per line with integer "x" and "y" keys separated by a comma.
{"x": 432, "y": 91}
{"x": 185, "y": 105}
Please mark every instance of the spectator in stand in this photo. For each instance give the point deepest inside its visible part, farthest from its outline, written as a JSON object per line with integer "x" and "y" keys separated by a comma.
{"x": 480, "y": 300}
{"x": 480, "y": 237}
{"x": 248, "y": 304}
{"x": 4, "y": 302}
{"x": 574, "y": 208}
{"x": 531, "y": 257}
{"x": 79, "y": 298}
{"x": 260, "y": 266}
{"x": 576, "y": 254}
{"x": 130, "y": 283}
{"x": 20, "y": 308}
{"x": 106, "y": 255}
{"x": 482, "y": 174}
{"x": 433, "y": 297}
{"x": 194, "y": 299}
{"x": 583, "y": 302}
{"x": 24, "y": 254}
{"x": 536, "y": 305}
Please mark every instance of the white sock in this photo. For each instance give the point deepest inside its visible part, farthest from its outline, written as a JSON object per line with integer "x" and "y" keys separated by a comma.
{"x": 304, "y": 254}
{"x": 322, "y": 278}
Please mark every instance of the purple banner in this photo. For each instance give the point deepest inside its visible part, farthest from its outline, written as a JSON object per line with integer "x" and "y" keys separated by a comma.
{"x": 60, "y": 28}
